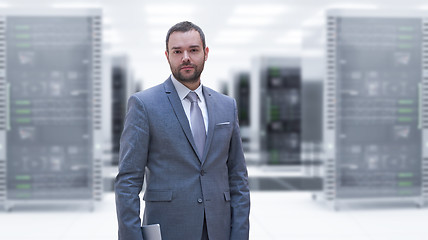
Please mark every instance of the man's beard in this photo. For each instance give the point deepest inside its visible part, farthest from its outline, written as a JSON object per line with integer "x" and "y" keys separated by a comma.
{"x": 192, "y": 78}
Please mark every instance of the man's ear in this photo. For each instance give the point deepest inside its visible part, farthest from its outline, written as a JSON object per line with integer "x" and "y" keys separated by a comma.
{"x": 206, "y": 53}
{"x": 166, "y": 54}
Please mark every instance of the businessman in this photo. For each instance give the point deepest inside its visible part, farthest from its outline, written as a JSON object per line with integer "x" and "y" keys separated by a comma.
{"x": 183, "y": 140}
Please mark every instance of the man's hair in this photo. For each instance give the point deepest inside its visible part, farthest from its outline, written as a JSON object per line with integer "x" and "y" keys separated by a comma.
{"x": 185, "y": 27}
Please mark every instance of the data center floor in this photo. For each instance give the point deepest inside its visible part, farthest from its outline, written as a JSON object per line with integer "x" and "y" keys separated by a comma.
{"x": 274, "y": 216}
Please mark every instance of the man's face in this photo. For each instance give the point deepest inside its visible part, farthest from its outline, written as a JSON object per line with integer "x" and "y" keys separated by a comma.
{"x": 186, "y": 56}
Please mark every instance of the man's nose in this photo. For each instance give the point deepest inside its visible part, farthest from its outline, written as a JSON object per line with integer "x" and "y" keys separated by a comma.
{"x": 186, "y": 56}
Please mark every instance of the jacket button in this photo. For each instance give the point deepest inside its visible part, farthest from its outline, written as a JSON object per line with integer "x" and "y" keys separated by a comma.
{"x": 202, "y": 172}
{"x": 200, "y": 200}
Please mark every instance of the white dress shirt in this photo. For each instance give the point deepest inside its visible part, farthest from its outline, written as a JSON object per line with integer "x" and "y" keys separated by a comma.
{"x": 182, "y": 93}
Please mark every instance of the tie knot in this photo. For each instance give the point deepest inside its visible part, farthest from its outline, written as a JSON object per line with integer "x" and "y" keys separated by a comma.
{"x": 192, "y": 96}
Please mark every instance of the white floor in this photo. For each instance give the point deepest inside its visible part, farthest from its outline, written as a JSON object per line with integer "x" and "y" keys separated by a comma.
{"x": 274, "y": 216}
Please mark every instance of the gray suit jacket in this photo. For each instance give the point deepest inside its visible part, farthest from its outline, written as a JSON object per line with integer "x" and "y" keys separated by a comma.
{"x": 181, "y": 186}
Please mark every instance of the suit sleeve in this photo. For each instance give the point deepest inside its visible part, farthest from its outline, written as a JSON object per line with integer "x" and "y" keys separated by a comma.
{"x": 132, "y": 161}
{"x": 238, "y": 184}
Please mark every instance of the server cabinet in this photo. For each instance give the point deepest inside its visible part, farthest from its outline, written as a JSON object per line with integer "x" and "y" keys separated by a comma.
{"x": 375, "y": 106}
{"x": 241, "y": 93}
{"x": 122, "y": 87}
{"x": 276, "y": 118}
{"x": 50, "y": 91}
{"x": 312, "y": 85}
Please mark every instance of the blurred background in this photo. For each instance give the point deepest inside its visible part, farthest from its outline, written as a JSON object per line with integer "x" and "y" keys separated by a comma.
{"x": 332, "y": 103}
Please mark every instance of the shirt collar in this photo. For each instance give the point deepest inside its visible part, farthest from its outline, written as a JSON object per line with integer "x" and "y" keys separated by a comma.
{"x": 183, "y": 90}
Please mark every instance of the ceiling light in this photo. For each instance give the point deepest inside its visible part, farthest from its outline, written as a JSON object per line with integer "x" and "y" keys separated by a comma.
{"x": 168, "y": 9}
{"x": 249, "y": 21}
{"x": 260, "y": 9}
{"x": 77, "y": 5}
{"x": 352, "y": 6}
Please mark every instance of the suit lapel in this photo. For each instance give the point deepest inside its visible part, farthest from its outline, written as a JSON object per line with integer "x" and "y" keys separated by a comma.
{"x": 175, "y": 101}
{"x": 210, "y": 109}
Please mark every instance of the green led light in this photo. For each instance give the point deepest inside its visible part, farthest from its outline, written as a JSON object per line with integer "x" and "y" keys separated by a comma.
{"x": 23, "y": 186}
{"x": 405, "y": 37}
{"x": 23, "y": 177}
{"x": 23, "y": 111}
{"x": 23, "y": 45}
{"x": 23, "y": 195}
{"x": 243, "y": 82}
{"x": 22, "y": 102}
{"x": 22, "y": 27}
{"x": 22, "y": 36}
{"x": 405, "y": 192}
{"x": 407, "y": 29}
{"x": 274, "y": 71}
{"x": 274, "y": 156}
{"x": 405, "y": 102}
{"x": 405, "y": 110}
{"x": 405, "y": 175}
{"x": 405, "y": 119}
{"x": 23, "y": 120}
{"x": 405, "y": 46}
{"x": 405, "y": 184}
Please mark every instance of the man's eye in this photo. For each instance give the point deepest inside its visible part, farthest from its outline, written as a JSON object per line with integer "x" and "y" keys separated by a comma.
{"x": 177, "y": 51}
{"x": 194, "y": 50}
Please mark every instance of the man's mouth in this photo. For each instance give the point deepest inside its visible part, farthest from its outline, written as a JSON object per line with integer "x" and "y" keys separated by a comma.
{"x": 186, "y": 68}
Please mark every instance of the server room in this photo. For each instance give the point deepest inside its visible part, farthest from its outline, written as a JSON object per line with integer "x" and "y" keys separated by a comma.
{"x": 331, "y": 99}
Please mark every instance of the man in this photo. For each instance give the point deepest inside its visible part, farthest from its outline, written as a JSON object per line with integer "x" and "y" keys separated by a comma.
{"x": 184, "y": 139}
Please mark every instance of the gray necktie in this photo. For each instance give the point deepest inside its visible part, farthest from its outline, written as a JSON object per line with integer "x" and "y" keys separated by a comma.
{"x": 197, "y": 121}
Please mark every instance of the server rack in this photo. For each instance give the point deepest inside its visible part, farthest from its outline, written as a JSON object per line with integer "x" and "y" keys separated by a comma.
{"x": 50, "y": 106}
{"x": 122, "y": 87}
{"x": 375, "y": 107}
{"x": 312, "y": 74}
{"x": 311, "y": 125}
{"x": 241, "y": 93}
{"x": 276, "y": 115}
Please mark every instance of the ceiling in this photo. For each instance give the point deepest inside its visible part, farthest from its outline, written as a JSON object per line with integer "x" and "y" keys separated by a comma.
{"x": 236, "y": 30}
